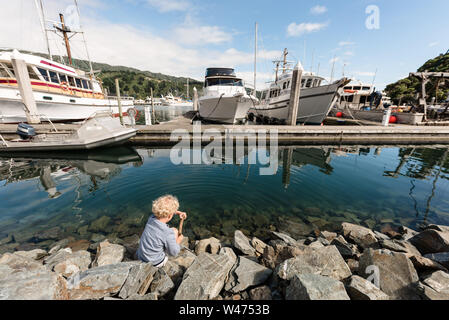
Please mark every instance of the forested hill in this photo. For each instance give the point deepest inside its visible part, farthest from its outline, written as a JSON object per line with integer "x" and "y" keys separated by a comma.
{"x": 134, "y": 82}
{"x": 405, "y": 90}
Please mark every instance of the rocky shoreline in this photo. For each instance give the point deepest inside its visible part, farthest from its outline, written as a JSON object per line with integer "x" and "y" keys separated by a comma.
{"x": 355, "y": 263}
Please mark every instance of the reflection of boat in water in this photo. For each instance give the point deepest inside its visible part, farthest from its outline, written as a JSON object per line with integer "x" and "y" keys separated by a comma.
{"x": 101, "y": 164}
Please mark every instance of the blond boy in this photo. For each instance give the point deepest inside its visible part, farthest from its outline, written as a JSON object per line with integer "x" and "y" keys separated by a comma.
{"x": 158, "y": 241}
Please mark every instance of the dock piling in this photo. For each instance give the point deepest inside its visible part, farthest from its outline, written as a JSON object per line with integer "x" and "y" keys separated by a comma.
{"x": 117, "y": 89}
{"x": 195, "y": 99}
{"x": 295, "y": 95}
{"x": 153, "y": 115}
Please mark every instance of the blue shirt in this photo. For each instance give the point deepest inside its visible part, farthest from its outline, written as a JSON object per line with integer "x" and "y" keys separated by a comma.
{"x": 156, "y": 242}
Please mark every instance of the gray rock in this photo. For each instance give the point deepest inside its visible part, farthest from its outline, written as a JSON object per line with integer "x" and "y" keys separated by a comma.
{"x": 400, "y": 246}
{"x": 148, "y": 297}
{"x": 108, "y": 253}
{"x": 407, "y": 233}
{"x": 19, "y": 263}
{"x": 246, "y": 274}
{"x": 438, "y": 227}
{"x": 315, "y": 287}
{"x": 362, "y": 289}
{"x": 423, "y": 264}
{"x": 241, "y": 242}
{"x": 162, "y": 283}
{"x": 35, "y": 254}
{"x": 184, "y": 259}
{"x": 285, "y": 237}
{"x": 316, "y": 245}
{"x": 436, "y": 286}
{"x": 346, "y": 249}
{"x": 205, "y": 278}
{"x": 442, "y": 258}
{"x": 260, "y": 293}
{"x": 77, "y": 261}
{"x": 329, "y": 236}
{"x": 211, "y": 245}
{"x": 138, "y": 281}
{"x": 396, "y": 277}
{"x": 381, "y": 236}
{"x": 362, "y": 236}
{"x": 326, "y": 261}
{"x": 99, "y": 282}
{"x": 431, "y": 241}
{"x": 258, "y": 245}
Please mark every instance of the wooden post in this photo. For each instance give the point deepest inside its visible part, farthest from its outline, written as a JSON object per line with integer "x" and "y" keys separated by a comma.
{"x": 195, "y": 99}
{"x": 287, "y": 159}
{"x": 295, "y": 95}
{"x": 117, "y": 89}
{"x": 25, "y": 89}
{"x": 153, "y": 115}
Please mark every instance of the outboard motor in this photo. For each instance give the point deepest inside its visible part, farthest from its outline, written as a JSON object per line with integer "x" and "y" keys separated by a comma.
{"x": 25, "y": 131}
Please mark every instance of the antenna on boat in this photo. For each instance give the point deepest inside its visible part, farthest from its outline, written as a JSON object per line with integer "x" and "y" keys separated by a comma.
{"x": 84, "y": 40}
{"x": 318, "y": 71}
{"x": 255, "y": 60}
{"x": 40, "y": 10}
{"x": 333, "y": 67}
{"x": 374, "y": 78}
{"x": 284, "y": 66}
{"x": 313, "y": 58}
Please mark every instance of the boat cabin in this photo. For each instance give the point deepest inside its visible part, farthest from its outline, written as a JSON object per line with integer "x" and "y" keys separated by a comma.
{"x": 283, "y": 84}
{"x": 222, "y": 77}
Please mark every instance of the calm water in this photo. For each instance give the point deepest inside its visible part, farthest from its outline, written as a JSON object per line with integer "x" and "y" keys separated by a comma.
{"x": 109, "y": 193}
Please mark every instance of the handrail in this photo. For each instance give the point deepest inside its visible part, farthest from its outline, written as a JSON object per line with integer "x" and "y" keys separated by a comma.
{"x": 48, "y": 119}
{"x": 4, "y": 141}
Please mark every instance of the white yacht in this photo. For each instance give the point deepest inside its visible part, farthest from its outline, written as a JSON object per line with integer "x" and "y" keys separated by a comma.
{"x": 356, "y": 95}
{"x": 172, "y": 101}
{"x": 224, "y": 99}
{"x": 316, "y": 99}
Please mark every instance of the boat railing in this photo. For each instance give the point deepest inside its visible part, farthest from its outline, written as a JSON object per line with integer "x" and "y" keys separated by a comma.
{"x": 48, "y": 119}
{"x": 121, "y": 98}
{"x": 97, "y": 113}
{"x": 3, "y": 141}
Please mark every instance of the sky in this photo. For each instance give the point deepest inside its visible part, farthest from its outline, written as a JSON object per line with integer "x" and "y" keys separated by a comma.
{"x": 368, "y": 40}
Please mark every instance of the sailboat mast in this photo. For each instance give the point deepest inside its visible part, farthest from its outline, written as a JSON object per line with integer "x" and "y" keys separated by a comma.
{"x": 64, "y": 31}
{"x": 40, "y": 10}
{"x": 284, "y": 66}
{"x": 255, "y": 60}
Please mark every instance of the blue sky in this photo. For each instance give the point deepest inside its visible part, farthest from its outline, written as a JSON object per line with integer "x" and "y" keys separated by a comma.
{"x": 183, "y": 37}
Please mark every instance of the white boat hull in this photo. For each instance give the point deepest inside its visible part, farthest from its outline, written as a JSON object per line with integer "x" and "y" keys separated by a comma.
{"x": 227, "y": 109}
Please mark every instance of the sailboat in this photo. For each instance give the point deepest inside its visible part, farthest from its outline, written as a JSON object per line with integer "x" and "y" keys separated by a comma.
{"x": 62, "y": 92}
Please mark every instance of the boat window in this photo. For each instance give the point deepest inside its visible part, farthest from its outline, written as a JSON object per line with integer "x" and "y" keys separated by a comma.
{"x": 350, "y": 98}
{"x": 319, "y": 83}
{"x": 224, "y": 82}
{"x": 32, "y": 74}
{"x": 357, "y": 88}
{"x": 315, "y": 83}
{"x": 53, "y": 76}
{"x": 303, "y": 81}
{"x": 362, "y": 99}
{"x": 284, "y": 86}
{"x": 71, "y": 81}
{"x": 78, "y": 82}
{"x": 44, "y": 74}
{"x": 85, "y": 86}
{"x": 366, "y": 88}
{"x": 309, "y": 83}
{"x": 89, "y": 84}
{"x": 3, "y": 72}
{"x": 63, "y": 78}
{"x": 9, "y": 69}
{"x": 288, "y": 84}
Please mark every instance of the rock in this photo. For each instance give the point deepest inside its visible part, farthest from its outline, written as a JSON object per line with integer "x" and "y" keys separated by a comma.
{"x": 400, "y": 246}
{"x": 35, "y": 254}
{"x": 381, "y": 236}
{"x": 77, "y": 261}
{"x": 346, "y": 250}
{"x": 99, "y": 282}
{"x": 100, "y": 224}
{"x": 78, "y": 245}
{"x": 247, "y": 273}
{"x": 431, "y": 241}
{"x": 162, "y": 284}
{"x": 138, "y": 281}
{"x": 423, "y": 264}
{"x": 50, "y": 234}
{"x": 8, "y": 239}
{"x": 390, "y": 231}
{"x": 10, "y": 247}
{"x": 258, "y": 245}
{"x": 353, "y": 265}
{"x": 329, "y": 236}
{"x": 241, "y": 242}
{"x": 326, "y": 261}
{"x": 438, "y": 227}
{"x": 59, "y": 245}
{"x": 315, "y": 287}
{"x": 205, "y": 278}
{"x": 442, "y": 258}
{"x": 279, "y": 252}
{"x": 19, "y": 263}
{"x": 184, "y": 259}
{"x": 131, "y": 245}
{"x": 397, "y": 277}
{"x": 285, "y": 237}
{"x": 211, "y": 245}
{"x": 108, "y": 253}
{"x": 362, "y": 236}
{"x": 316, "y": 245}
{"x": 147, "y": 297}
{"x": 260, "y": 293}
{"x": 407, "y": 233}
{"x": 436, "y": 286}
{"x": 361, "y": 289}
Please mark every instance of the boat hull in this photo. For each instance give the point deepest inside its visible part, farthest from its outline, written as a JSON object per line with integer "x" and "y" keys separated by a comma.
{"x": 227, "y": 109}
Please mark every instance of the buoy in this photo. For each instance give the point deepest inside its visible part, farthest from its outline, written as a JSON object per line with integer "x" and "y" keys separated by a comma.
{"x": 339, "y": 114}
{"x": 393, "y": 119}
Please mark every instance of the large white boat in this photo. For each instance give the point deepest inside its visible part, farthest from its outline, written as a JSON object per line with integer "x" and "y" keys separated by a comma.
{"x": 224, "y": 99}
{"x": 172, "y": 101}
{"x": 61, "y": 92}
{"x": 316, "y": 99}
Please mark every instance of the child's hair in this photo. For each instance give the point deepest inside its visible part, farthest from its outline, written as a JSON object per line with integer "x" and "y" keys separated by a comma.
{"x": 164, "y": 206}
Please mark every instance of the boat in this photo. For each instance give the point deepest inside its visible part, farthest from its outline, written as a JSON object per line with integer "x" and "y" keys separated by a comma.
{"x": 99, "y": 131}
{"x": 224, "y": 98}
{"x": 172, "y": 101}
{"x": 315, "y": 103}
{"x": 61, "y": 92}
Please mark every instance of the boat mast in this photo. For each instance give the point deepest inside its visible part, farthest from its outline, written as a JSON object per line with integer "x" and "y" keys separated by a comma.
{"x": 284, "y": 66}
{"x": 65, "y": 31}
{"x": 40, "y": 10}
{"x": 84, "y": 40}
{"x": 255, "y": 60}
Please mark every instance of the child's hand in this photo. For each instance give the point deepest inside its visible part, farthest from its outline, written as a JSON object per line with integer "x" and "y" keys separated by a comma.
{"x": 182, "y": 215}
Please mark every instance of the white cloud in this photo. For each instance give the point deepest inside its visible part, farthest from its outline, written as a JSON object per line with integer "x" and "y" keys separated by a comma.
{"x": 349, "y": 53}
{"x": 345, "y": 43}
{"x": 169, "y": 5}
{"x": 261, "y": 79}
{"x": 297, "y": 30}
{"x": 318, "y": 9}
{"x": 433, "y": 44}
{"x": 365, "y": 73}
{"x": 191, "y": 34}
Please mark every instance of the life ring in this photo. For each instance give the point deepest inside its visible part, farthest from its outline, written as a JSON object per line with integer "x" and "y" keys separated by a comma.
{"x": 133, "y": 112}
{"x": 65, "y": 87}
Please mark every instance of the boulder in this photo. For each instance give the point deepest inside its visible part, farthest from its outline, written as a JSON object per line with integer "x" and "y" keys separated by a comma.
{"x": 362, "y": 289}
{"x": 75, "y": 262}
{"x": 407, "y": 233}
{"x": 18, "y": 263}
{"x": 436, "y": 286}
{"x": 260, "y": 293}
{"x": 108, "y": 253}
{"x": 284, "y": 237}
{"x": 437, "y": 227}
{"x": 353, "y": 265}
{"x": 211, "y": 245}
{"x": 162, "y": 284}
{"x": 423, "y": 264}
{"x": 247, "y": 273}
{"x": 326, "y": 261}
{"x": 79, "y": 245}
{"x": 184, "y": 259}
{"x": 278, "y": 252}
{"x": 346, "y": 249}
{"x": 35, "y": 254}
{"x": 138, "y": 281}
{"x": 396, "y": 275}
{"x": 431, "y": 241}
{"x": 258, "y": 245}
{"x": 400, "y": 246}
{"x": 241, "y": 242}
{"x": 315, "y": 287}
{"x": 205, "y": 278}
{"x": 99, "y": 282}
{"x": 442, "y": 258}
{"x": 362, "y": 236}
{"x": 329, "y": 236}
{"x": 381, "y": 236}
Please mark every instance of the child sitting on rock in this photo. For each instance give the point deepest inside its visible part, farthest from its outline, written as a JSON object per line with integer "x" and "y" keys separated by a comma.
{"x": 158, "y": 240}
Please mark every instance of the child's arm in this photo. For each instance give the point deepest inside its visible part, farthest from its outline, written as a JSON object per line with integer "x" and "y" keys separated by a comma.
{"x": 173, "y": 247}
{"x": 182, "y": 215}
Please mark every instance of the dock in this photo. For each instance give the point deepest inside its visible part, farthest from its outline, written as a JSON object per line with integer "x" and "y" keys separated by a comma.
{"x": 161, "y": 134}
